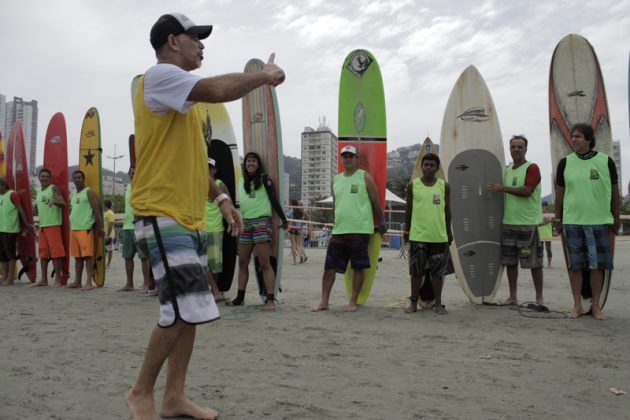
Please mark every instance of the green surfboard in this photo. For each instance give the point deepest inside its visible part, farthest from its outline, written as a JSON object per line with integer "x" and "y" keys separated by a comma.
{"x": 362, "y": 124}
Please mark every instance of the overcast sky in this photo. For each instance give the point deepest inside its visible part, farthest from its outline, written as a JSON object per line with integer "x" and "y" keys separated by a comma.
{"x": 71, "y": 55}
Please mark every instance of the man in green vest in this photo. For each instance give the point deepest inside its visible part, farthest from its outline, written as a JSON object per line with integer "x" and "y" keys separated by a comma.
{"x": 130, "y": 246}
{"x": 587, "y": 210}
{"x": 428, "y": 216}
{"x": 12, "y": 222}
{"x": 49, "y": 204}
{"x": 355, "y": 201}
{"x": 85, "y": 222}
{"x": 521, "y": 216}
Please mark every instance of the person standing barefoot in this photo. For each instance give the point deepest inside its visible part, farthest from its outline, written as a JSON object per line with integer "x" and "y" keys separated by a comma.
{"x": 169, "y": 198}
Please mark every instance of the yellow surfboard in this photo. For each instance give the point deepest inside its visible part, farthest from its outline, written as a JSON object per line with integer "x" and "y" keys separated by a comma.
{"x": 90, "y": 163}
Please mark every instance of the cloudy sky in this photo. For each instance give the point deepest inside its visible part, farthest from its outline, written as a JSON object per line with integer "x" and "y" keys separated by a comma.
{"x": 71, "y": 55}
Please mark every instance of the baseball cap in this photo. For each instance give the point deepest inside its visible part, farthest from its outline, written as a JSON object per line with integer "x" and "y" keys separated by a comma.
{"x": 175, "y": 24}
{"x": 212, "y": 162}
{"x": 349, "y": 149}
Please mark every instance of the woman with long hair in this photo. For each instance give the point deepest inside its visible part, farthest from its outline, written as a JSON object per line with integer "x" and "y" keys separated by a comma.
{"x": 258, "y": 202}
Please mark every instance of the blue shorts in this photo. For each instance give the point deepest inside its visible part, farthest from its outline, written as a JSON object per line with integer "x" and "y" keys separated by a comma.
{"x": 588, "y": 247}
{"x": 351, "y": 247}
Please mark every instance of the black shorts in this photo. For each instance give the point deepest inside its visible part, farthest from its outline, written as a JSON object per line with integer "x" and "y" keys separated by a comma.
{"x": 430, "y": 256}
{"x": 8, "y": 242}
{"x": 351, "y": 247}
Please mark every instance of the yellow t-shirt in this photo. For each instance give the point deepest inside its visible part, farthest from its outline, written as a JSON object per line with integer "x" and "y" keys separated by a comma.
{"x": 171, "y": 166}
{"x": 110, "y": 218}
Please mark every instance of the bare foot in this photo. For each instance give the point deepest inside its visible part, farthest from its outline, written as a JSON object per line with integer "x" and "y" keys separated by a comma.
{"x": 88, "y": 286}
{"x": 269, "y": 306}
{"x": 184, "y": 407}
{"x": 141, "y": 407}
{"x": 40, "y": 283}
{"x": 508, "y": 302}
{"x": 440, "y": 310}
{"x": 576, "y": 313}
{"x": 599, "y": 315}
{"x": 126, "y": 289}
{"x": 352, "y": 307}
{"x": 320, "y": 307}
{"x": 74, "y": 285}
{"x": 413, "y": 307}
{"x": 6, "y": 283}
{"x": 57, "y": 285}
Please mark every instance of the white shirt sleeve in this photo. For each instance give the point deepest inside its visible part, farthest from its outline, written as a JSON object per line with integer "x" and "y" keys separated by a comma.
{"x": 166, "y": 88}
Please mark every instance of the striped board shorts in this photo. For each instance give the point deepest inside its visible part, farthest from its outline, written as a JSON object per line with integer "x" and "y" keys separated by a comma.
{"x": 520, "y": 243}
{"x": 179, "y": 264}
{"x": 215, "y": 252}
{"x": 258, "y": 230}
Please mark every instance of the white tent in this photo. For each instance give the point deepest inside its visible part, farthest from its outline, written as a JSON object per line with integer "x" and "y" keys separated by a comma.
{"x": 390, "y": 198}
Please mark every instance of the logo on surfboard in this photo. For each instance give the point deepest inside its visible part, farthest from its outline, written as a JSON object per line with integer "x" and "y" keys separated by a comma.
{"x": 475, "y": 114}
{"x": 359, "y": 117}
{"x": 55, "y": 139}
{"x": 576, "y": 93}
{"x": 359, "y": 63}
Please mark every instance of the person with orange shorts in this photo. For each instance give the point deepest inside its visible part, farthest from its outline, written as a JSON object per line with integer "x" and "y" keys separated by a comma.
{"x": 49, "y": 205}
{"x": 85, "y": 219}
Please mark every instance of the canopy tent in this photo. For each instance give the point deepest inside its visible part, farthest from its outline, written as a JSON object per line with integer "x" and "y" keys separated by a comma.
{"x": 390, "y": 199}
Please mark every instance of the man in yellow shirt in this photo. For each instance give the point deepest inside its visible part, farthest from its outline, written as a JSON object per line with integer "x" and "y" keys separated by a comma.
{"x": 169, "y": 194}
{"x": 110, "y": 232}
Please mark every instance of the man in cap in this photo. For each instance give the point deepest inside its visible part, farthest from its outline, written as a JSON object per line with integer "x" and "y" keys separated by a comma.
{"x": 169, "y": 194}
{"x": 355, "y": 201}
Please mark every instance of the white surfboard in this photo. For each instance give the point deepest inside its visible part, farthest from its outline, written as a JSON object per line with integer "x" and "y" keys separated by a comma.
{"x": 577, "y": 95}
{"x": 471, "y": 150}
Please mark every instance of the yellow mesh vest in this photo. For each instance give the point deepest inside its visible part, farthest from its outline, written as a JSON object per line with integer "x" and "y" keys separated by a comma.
{"x": 171, "y": 165}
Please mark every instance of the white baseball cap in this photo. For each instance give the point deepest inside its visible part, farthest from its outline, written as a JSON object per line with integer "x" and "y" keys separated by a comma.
{"x": 349, "y": 149}
{"x": 212, "y": 162}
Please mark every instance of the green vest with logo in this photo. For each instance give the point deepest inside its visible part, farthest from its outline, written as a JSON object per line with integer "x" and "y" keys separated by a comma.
{"x": 48, "y": 216}
{"x": 81, "y": 215}
{"x": 428, "y": 223}
{"x": 520, "y": 210}
{"x": 587, "y": 191}
{"x": 255, "y": 204}
{"x": 9, "y": 214}
{"x": 128, "y": 222}
{"x": 214, "y": 218}
{"x": 353, "y": 208}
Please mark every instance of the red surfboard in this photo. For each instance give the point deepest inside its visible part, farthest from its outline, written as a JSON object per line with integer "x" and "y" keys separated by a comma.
{"x": 26, "y": 240}
{"x": 132, "y": 149}
{"x": 56, "y": 159}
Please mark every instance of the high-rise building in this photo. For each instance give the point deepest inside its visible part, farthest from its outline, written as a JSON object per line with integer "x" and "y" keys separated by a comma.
{"x": 617, "y": 159}
{"x": 319, "y": 162}
{"x": 26, "y": 112}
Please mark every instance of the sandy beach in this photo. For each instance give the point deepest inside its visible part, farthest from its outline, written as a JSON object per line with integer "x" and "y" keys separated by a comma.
{"x": 69, "y": 354}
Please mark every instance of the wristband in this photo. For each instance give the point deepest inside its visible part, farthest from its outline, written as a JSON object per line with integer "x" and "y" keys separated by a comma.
{"x": 220, "y": 198}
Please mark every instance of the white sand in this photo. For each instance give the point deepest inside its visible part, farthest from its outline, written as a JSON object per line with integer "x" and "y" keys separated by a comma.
{"x": 67, "y": 354}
